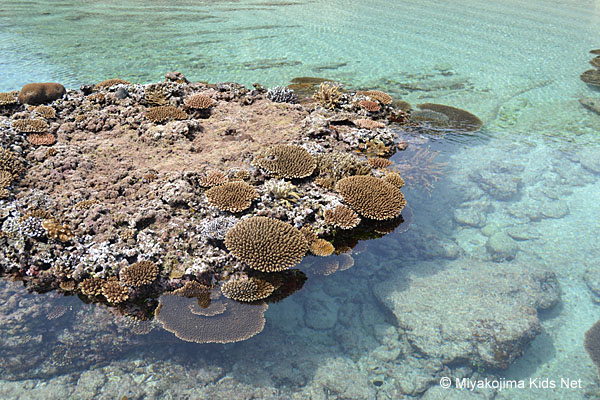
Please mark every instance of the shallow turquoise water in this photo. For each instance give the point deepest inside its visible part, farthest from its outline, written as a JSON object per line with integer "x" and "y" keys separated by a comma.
{"x": 516, "y": 64}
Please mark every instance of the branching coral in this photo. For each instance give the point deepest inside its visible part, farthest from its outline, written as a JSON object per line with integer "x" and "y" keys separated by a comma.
{"x": 342, "y": 217}
{"x": 266, "y": 244}
{"x": 55, "y": 230}
{"x": 114, "y": 292}
{"x": 164, "y": 113}
{"x": 86, "y": 204}
{"x": 280, "y": 94}
{"x": 309, "y": 234}
{"x": 371, "y": 197}
{"x": 35, "y": 125}
{"x": 232, "y": 196}
{"x": 139, "y": 274}
{"x": 110, "y": 82}
{"x": 379, "y": 162}
{"x": 45, "y": 111}
{"x": 157, "y": 96}
{"x": 91, "y": 286}
{"x": 284, "y": 192}
{"x": 287, "y": 161}
{"x": 328, "y": 95}
{"x": 247, "y": 289}
{"x": 420, "y": 169}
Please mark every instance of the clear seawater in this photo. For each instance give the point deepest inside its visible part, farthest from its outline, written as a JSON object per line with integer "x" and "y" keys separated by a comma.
{"x": 514, "y": 63}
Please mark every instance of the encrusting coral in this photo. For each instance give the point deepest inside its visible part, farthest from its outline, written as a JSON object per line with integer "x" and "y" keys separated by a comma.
{"x": 287, "y": 161}
{"x": 328, "y": 95}
{"x": 266, "y": 244}
{"x": 247, "y": 289}
{"x": 164, "y": 113}
{"x": 342, "y": 217}
{"x": 110, "y": 82}
{"x": 321, "y": 247}
{"x": 35, "y": 125}
{"x": 139, "y": 274}
{"x": 232, "y": 196}
{"x": 371, "y": 197}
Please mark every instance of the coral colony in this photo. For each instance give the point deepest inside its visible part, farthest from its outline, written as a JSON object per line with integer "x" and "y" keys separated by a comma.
{"x": 195, "y": 203}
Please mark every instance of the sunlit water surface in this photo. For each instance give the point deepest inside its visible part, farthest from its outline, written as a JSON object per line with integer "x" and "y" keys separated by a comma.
{"x": 516, "y": 64}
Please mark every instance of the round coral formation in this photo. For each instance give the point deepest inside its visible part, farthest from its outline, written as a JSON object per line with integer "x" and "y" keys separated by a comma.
{"x": 114, "y": 292}
{"x": 212, "y": 178}
{"x": 342, "y": 217}
{"x": 139, "y": 274}
{"x": 30, "y": 125}
{"x": 321, "y": 248}
{"x": 380, "y": 96}
{"x": 199, "y": 102}
{"x": 231, "y": 196}
{"x": 395, "y": 179}
{"x": 39, "y": 93}
{"x": 371, "y": 197}
{"x": 164, "y": 113}
{"x": 247, "y": 289}
{"x": 91, "y": 286}
{"x": 379, "y": 162}
{"x": 43, "y": 139}
{"x": 266, "y": 244}
{"x": 457, "y": 118}
{"x": 371, "y": 106}
{"x": 287, "y": 161}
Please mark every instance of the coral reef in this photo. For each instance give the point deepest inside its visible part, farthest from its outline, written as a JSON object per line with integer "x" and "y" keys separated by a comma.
{"x": 321, "y": 248}
{"x": 30, "y": 125}
{"x": 379, "y": 162}
{"x": 40, "y": 93}
{"x": 287, "y": 161}
{"x": 280, "y": 94}
{"x": 458, "y": 119}
{"x": 157, "y": 96}
{"x": 591, "y": 77}
{"x": 7, "y": 98}
{"x": 45, "y": 111}
{"x": 212, "y": 178}
{"x": 266, "y": 244}
{"x": 342, "y": 217}
{"x": 199, "y": 102}
{"x": 165, "y": 113}
{"x": 110, "y": 82}
{"x": 91, "y": 286}
{"x": 371, "y": 106}
{"x": 139, "y": 274}
{"x": 377, "y": 95}
{"x": 338, "y": 165}
{"x": 45, "y": 139}
{"x": 56, "y": 230}
{"x": 371, "y": 197}
{"x": 420, "y": 169}
{"x": 328, "y": 95}
{"x": 114, "y": 291}
{"x": 231, "y": 196}
{"x": 247, "y": 289}
{"x": 395, "y": 179}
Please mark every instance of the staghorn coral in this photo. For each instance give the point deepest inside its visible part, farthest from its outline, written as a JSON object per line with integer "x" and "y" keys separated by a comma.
{"x": 457, "y": 119}
{"x": 379, "y": 162}
{"x": 309, "y": 234}
{"x": 280, "y": 94}
{"x": 232, "y": 196}
{"x": 366, "y": 123}
{"x": 266, "y": 244}
{"x": 284, "y": 192}
{"x": 338, "y": 165}
{"x": 371, "y": 197}
{"x": 139, "y": 274}
{"x": 395, "y": 179}
{"x": 420, "y": 169}
{"x": 237, "y": 322}
{"x": 591, "y": 343}
{"x": 157, "y": 96}
{"x": 114, "y": 292}
{"x": 199, "y": 102}
{"x": 321, "y": 247}
{"x": 91, "y": 286}
{"x": 380, "y": 96}
{"x": 7, "y": 99}
{"x": 55, "y": 230}
{"x": 328, "y": 95}
{"x": 45, "y": 111}
{"x": 44, "y": 139}
{"x": 371, "y": 106}
{"x": 35, "y": 125}
{"x": 212, "y": 178}
{"x": 247, "y": 289}
{"x": 39, "y": 93}
{"x": 342, "y": 217}
{"x": 164, "y": 113}
{"x": 110, "y": 82}
{"x": 287, "y": 161}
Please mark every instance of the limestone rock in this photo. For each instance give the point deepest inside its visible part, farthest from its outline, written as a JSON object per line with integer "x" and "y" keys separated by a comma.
{"x": 40, "y": 93}
{"x": 320, "y": 311}
{"x": 501, "y": 247}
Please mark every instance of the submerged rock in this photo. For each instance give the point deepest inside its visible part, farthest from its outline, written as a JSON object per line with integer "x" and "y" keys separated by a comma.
{"x": 488, "y": 313}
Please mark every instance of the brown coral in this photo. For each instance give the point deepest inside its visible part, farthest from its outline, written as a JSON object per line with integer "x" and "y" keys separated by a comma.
{"x": 366, "y": 123}
{"x": 110, "y": 82}
{"x": 6, "y": 179}
{"x": 164, "y": 113}
{"x": 232, "y": 196}
{"x": 237, "y": 322}
{"x": 7, "y": 99}
{"x": 156, "y": 96}
{"x": 192, "y": 289}
{"x": 91, "y": 286}
{"x": 322, "y": 248}
{"x": 55, "y": 230}
{"x": 379, "y": 162}
{"x": 395, "y": 179}
{"x": 139, "y": 274}
{"x": 97, "y": 97}
{"x": 35, "y": 125}
{"x": 595, "y": 62}
{"x": 342, "y": 217}
{"x": 212, "y": 178}
{"x": 11, "y": 163}
{"x": 287, "y": 161}
{"x": 114, "y": 292}
{"x": 325, "y": 182}
{"x": 247, "y": 289}
{"x": 338, "y": 165}
{"x": 85, "y": 204}
{"x": 591, "y": 343}
{"x": 371, "y": 106}
{"x": 45, "y": 111}
{"x": 199, "y": 101}
{"x": 591, "y": 77}
{"x": 328, "y": 95}
{"x": 266, "y": 244}
{"x": 43, "y": 139}
{"x": 380, "y": 96}
{"x": 39, "y": 93}
{"x": 457, "y": 118}
{"x": 309, "y": 234}
{"x": 239, "y": 175}
{"x": 371, "y": 197}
